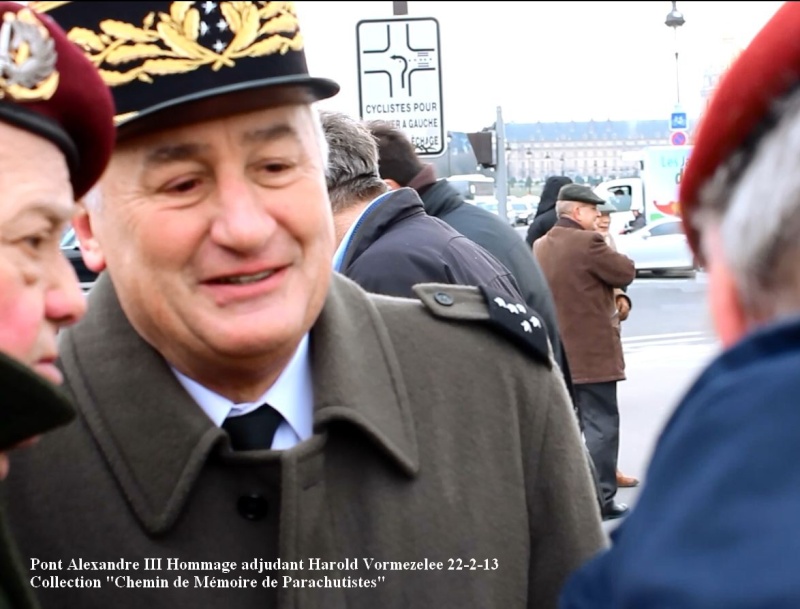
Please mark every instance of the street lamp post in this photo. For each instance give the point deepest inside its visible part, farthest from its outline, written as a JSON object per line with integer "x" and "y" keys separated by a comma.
{"x": 449, "y": 154}
{"x": 675, "y": 20}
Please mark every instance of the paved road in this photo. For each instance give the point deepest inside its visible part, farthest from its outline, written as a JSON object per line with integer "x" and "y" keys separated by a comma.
{"x": 667, "y": 339}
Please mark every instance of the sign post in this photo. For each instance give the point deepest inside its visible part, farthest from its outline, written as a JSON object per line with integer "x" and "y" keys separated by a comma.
{"x": 400, "y": 79}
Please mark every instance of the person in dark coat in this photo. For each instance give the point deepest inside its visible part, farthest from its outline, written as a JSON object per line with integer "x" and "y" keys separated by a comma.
{"x": 400, "y": 166}
{"x": 387, "y": 243}
{"x": 546, "y": 216}
{"x": 716, "y": 522}
{"x": 51, "y": 150}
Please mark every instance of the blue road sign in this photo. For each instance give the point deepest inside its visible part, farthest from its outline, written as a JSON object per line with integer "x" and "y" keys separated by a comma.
{"x": 678, "y": 120}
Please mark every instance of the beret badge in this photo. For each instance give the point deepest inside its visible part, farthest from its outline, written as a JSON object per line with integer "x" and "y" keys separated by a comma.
{"x": 27, "y": 59}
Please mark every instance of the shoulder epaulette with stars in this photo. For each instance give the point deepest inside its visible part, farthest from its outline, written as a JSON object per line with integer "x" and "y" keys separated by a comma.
{"x": 512, "y": 318}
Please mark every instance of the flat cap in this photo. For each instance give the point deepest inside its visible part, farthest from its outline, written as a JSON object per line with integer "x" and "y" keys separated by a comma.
{"x": 606, "y": 207}
{"x": 739, "y": 110}
{"x": 175, "y": 63}
{"x": 49, "y": 88}
{"x": 580, "y": 193}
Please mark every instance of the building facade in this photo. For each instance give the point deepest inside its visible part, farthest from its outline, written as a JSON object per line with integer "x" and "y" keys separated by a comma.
{"x": 588, "y": 151}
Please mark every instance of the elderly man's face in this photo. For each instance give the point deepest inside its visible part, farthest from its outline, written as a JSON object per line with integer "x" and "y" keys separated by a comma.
{"x": 586, "y": 215}
{"x": 218, "y": 238}
{"x": 39, "y": 292}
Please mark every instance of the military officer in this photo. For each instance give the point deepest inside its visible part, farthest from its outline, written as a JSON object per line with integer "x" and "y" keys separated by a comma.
{"x": 240, "y": 402}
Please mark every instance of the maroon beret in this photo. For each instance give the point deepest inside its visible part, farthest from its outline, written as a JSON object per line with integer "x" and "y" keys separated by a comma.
{"x": 764, "y": 72}
{"x": 48, "y": 87}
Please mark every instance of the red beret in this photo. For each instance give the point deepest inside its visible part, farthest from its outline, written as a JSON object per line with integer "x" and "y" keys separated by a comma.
{"x": 765, "y": 71}
{"x": 48, "y": 87}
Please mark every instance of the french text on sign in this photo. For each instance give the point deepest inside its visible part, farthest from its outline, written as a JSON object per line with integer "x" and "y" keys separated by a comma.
{"x": 400, "y": 81}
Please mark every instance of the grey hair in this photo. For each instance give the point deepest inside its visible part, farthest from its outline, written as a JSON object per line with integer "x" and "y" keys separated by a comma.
{"x": 758, "y": 218}
{"x": 352, "y": 169}
{"x": 564, "y": 208}
{"x": 93, "y": 200}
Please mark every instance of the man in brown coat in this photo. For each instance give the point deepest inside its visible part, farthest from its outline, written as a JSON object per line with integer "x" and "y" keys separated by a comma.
{"x": 254, "y": 430}
{"x": 583, "y": 272}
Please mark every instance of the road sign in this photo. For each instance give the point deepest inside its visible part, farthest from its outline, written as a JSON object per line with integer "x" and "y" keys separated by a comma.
{"x": 678, "y": 121}
{"x": 678, "y": 138}
{"x": 400, "y": 78}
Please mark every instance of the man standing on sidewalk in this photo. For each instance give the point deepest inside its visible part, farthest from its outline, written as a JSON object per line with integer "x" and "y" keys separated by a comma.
{"x": 583, "y": 271}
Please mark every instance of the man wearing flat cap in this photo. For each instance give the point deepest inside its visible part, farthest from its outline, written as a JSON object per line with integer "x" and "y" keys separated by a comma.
{"x": 239, "y": 403}
{"x": 51, "y": 150}
{"x": 716, "y": 524}
{"x": 583, "y": 272}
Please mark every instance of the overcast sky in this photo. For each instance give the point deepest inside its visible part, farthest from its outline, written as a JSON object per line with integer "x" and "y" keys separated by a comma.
{"x": 548, "y": 61}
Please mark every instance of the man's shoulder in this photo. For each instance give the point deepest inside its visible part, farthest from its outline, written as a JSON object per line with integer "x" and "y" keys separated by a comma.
{"x": 575, "y": 237}
{"x": 459, "y": 318}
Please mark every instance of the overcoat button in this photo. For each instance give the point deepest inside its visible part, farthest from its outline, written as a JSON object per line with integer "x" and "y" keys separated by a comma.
{"x": 252, "y": 507}
{"x": 443, "y": 298}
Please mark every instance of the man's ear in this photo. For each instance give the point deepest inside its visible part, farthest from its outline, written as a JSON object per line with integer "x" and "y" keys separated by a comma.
{"x": 730, "y": 320}
{"x": 392, "y": 184}
{"x": 90, "y": 248}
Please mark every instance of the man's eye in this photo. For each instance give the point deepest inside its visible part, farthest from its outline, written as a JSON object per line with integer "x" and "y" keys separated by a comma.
{"x": 184, "y": 186}
{"x": 276, "y": 167}
{"x": 35, "y": 242}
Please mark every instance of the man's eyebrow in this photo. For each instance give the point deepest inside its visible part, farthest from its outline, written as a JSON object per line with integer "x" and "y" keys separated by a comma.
{"x": 170, "y": 153}
{"x": 56, "y": 214}
{"x": 271, "y": 133}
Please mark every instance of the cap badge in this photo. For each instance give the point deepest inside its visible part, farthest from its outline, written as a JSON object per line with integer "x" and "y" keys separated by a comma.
{"x": 27, "y": 58}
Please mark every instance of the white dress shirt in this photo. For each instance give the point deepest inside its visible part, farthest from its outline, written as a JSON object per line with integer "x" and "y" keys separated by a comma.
{"x": 292, "y": 395}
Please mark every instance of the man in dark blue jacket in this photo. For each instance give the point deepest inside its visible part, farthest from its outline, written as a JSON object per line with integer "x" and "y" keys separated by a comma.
{"x": 400, "y": 167}
{"x": 387, "y": 243}
{"x": 717, "y": 522}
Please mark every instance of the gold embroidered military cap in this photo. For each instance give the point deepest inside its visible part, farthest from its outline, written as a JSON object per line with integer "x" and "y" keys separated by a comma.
{"x": 171, "y": 63}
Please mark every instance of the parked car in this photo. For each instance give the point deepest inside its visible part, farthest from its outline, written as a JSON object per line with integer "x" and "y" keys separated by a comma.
{"x": 658, "y": 247}
{"x": 521, "y": 212}
{"x": 71, "y": 249}
{"x": 513, "y": 209}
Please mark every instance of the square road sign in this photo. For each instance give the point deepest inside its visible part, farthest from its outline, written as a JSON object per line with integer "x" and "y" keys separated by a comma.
{"x": 400, "y": 78}
{"x": 678, "y": 121}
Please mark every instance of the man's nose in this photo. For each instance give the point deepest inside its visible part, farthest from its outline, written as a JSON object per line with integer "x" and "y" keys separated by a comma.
{"x": 243, "y": 222}
{"x": 65, "y": 302}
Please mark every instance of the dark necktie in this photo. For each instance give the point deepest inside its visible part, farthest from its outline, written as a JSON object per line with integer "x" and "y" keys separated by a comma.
{"x": 254, "y": 430}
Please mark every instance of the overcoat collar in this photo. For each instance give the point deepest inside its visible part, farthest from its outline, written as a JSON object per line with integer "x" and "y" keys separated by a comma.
{"x": 564, "y": 222}
{"x": 156, "y": 439}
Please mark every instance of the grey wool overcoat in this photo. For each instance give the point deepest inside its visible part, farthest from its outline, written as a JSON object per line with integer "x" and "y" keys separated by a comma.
{"x": 435, "y": 437}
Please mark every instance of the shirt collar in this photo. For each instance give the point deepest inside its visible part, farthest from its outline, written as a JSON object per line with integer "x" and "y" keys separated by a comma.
{"x": 338, "y": 257}
{"x": 291, "y": 394}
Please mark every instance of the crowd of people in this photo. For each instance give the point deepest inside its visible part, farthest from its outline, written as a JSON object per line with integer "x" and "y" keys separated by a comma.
{"x": 303, "y": 347}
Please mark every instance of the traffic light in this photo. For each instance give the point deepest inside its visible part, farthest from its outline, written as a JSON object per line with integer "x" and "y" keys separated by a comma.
{"x": 483, "y": 146}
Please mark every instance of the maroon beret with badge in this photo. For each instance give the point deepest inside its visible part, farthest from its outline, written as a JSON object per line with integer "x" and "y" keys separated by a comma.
{"x": 740, "y": 111}
{"x": 174, "y": 63}
{"x": 49, "y": 88}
